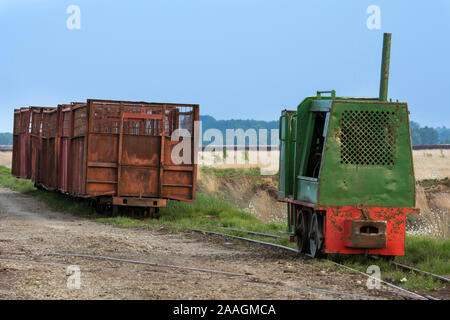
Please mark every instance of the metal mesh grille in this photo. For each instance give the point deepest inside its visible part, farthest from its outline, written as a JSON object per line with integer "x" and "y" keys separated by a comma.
{"x": 79, "y": 122}
{"x": 106, "y": 118}
{"x": 24, "y": 121}
{"x": 36, "y": 123}
{"x": 368, "y": 138}
{"x": 50, "y": 124}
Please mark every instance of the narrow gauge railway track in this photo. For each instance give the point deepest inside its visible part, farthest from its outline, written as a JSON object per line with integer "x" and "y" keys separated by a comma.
{"x": 405, "y": 267}
{"x": 399, "y": 265}
{"x": 401, "y": 291}
{"x": 268, "y": 235}
{"x": 184, "y": 268}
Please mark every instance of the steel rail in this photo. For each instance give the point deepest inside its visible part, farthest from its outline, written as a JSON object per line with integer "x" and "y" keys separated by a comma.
{"x": 403, "y": 266}
{"x": 252, "y": 282}
{"x": 264, "y": 283}
{"x": 409, "y": 293}
{"x": 269, "y": 235}
{"x": 246, "y": 239}
{"x": 405, "y": 292}
{"x": 144, "y": 263}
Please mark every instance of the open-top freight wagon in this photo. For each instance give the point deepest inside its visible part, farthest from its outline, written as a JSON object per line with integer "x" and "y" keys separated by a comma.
{"x": 346, "y": 172}
{"x": 115, "y": 153}
{"x": 25, "y": 141}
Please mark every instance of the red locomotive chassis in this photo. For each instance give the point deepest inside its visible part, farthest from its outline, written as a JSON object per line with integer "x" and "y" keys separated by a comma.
{"x": 348, "y": 230}
{"x": 117, "y": 151}
{"x": 356, "y": 230}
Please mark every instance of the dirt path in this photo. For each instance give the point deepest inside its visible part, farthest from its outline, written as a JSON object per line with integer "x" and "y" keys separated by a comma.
{"x": 30, "y": 231}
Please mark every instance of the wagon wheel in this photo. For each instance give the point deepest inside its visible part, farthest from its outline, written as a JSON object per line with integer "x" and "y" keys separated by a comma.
{"x": 302, "y": 231}
{"x": 115, "y": 210}
{"x": 387, "y": 258}
{"x": 316, "y": 235}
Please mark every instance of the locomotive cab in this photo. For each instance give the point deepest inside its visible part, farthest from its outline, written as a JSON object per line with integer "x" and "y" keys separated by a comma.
{"x": 346, "y": 172}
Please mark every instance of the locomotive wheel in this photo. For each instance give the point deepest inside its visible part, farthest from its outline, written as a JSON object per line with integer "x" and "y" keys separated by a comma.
{"x": 302, "y": 231}
{"x": 316, "y": 235}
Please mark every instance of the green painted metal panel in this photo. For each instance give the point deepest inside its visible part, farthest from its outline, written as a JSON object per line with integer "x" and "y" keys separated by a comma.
{"x": 287, "y": 138}
{"x": 307, "y": 189}
{"x": 284, "y": 156}
{"x": 321, "y": 105}
{"x": 368, "y": 158}
{"x": 304, "y": 123}
{"x": 374, "y": 175}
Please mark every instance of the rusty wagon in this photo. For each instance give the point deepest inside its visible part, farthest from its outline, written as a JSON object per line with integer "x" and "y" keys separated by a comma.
{"x": 115, "y": 153}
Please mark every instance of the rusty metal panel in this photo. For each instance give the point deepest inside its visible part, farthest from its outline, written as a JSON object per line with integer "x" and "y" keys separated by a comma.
{"x": 76, "y": 159}
{"x": 365, "y": 234}
{"x": 21, "y": 143}
{"x": 179, "y": 180}
{"x": 129, "y": 150}
{"x": 139, "y": 182}
{"x": 48, "y": 155}
{"x": 65, "y": 116}
{"x": 15, "y": 155}
{"x": 35, "y": 140}
{"x": 79, "y": 125}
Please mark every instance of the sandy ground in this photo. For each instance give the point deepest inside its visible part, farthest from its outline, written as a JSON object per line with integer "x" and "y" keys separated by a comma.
{"x": 431, "y": 164}
{"x": 31, "y": 232}
{"x": 5, "y": 158}
{"x": 257, "y": 195}
{"x": 434, "y": 217}
{"x": 428, "y": 164}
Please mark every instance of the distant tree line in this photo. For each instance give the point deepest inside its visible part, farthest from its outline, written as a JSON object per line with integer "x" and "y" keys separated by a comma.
{"x": 444, "y": 134}
{"x": 428, "y": 135}
{"x": 419, "y": 135}
{"x": 6, "y": 139}
{"x": 209, "y": 122}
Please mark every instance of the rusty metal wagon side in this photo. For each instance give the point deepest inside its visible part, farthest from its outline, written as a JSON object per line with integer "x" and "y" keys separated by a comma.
{"x": 21, "y": 143}
{"x": 26, "y": 141}
{"x": 49, "y": 151}
{"x": 121, "y": 151}
{"x": 118, "y": 153}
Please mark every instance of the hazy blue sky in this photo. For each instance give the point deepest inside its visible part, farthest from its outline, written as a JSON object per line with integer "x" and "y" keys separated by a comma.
{"x": 237, "y": 59}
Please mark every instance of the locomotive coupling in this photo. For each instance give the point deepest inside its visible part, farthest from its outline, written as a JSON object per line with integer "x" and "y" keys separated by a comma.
{"x": 365, "y": 234}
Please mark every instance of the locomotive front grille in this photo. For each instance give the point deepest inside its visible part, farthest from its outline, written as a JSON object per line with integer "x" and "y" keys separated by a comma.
{"x": 368, "y": 138}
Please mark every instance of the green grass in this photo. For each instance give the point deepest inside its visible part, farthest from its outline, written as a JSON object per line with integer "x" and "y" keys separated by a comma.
{"x": 21, "y": 185}
{"x": 206, "y": 213}
{"x": 434, "y": 182}
{"x": 425, "y": 253}
{"x": 231, "y": 172}
{"x": 428, "y": 254}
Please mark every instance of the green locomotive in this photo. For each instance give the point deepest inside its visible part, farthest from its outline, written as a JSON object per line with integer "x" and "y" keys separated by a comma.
{"x": 346, "y": 172}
